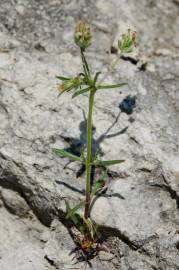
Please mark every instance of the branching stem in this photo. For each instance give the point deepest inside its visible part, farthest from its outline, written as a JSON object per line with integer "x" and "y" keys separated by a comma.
{"x": 85, "y": 65}
{"x": 110, "y": 69}
{"x": 88, "y": 158}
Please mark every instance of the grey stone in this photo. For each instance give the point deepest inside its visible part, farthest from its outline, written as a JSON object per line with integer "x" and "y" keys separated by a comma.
{"x": 15, "y": 203}
{"x": 59, "y": 246}
{"x": 140, "y": 209}
{"x": 20, "y": 247}
{"x": 105, "y": 256}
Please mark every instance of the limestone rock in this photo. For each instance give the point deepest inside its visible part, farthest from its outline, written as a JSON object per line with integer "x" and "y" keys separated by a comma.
{"x": 140, "y": 209}
{"x": 15, "y": 203}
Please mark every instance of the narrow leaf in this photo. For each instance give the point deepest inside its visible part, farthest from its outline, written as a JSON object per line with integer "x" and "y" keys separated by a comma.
{"x": 67, "y": 207}
{"x": 70, "y": 214}
{"x": 107, "y": 162}
{"x": 82, "y": 91}
{"x": 62, "y": 78}
{"x": 81, "y": 74}
{"x": 65, "y": 154}
{"x": 85, "y": 64}
{"x": 74, "y": 219}
{"x": 95, "y": 231}
{"x": 97, "y": 186}
{"x": 96, "y": 76}
{"x": 111, "y": 86}
{"x": 74, "y": 209}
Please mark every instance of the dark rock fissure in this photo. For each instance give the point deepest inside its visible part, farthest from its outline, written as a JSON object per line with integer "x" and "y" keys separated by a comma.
{"x": 50, "y": 261}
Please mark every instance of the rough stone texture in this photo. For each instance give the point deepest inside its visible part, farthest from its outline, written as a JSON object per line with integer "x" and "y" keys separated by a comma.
{"x": 140, "y": 209}
{"x": 20, "y": 244}
{"x": 15, "y": 203}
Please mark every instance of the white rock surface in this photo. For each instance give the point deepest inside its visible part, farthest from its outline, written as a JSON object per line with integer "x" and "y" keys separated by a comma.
{"x": 140, "y": 209}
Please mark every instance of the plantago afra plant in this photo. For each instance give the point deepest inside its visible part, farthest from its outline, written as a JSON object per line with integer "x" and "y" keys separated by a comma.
{"x": 87, "y": 82}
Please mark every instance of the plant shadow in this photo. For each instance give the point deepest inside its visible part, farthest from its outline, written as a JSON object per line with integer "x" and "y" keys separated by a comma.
{"x": 77, "y": 146}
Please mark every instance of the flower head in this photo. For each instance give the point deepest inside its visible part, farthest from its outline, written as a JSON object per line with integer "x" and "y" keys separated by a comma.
{"x": 127, "y": 41}
{"x": 69, "y": 84}
{"x": 82, "y": 35}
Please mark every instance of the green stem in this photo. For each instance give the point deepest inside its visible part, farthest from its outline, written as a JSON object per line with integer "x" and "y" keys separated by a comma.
{"x": 111, "y": 68}
{"x": 85, "y": 65}
{"x": 88, "y": 158}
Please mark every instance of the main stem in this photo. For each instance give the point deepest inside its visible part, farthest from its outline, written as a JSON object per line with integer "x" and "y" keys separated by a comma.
{"x": 88, "y": 158}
